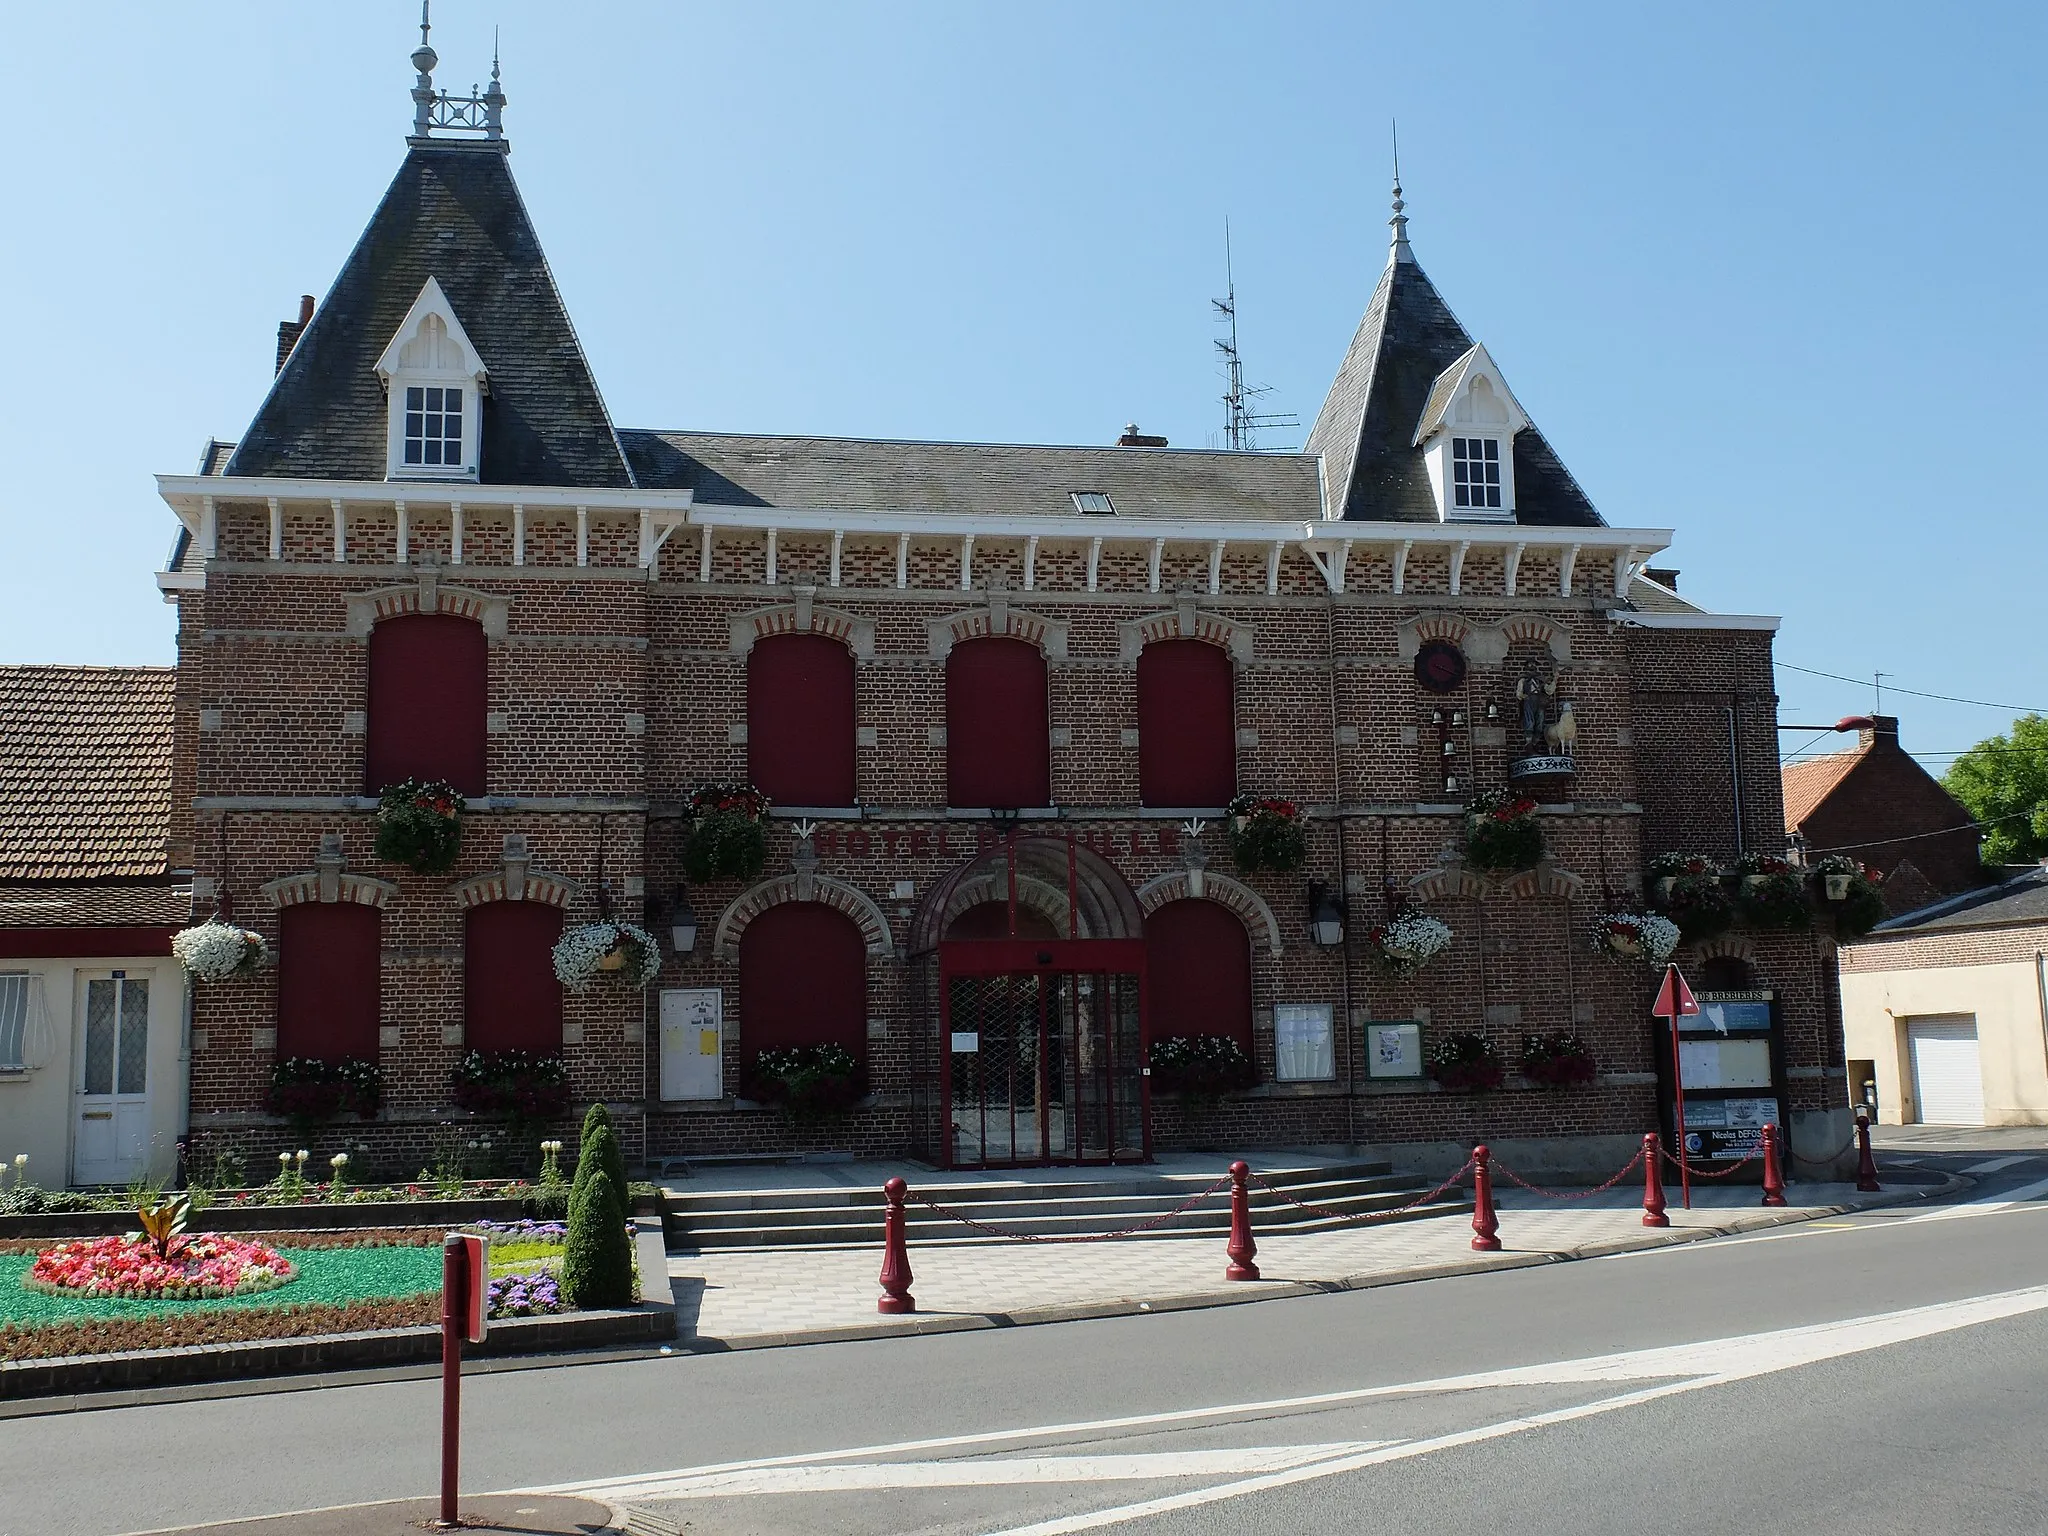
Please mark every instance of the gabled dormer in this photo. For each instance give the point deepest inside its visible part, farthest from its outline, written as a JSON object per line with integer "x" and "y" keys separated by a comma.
{"x": 1467, "y": 438}
{"x": 434, "y": 381}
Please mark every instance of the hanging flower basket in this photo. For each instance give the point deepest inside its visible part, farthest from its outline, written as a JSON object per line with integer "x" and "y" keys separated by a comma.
{"x": 1771, "y": 894}
{"x": 808, "y": 1080}
{"x": 726, "y": 839}
{"x": 1201, "y": 1066}
{"x": 1465, "y": 1063}
{"x": 1502, "y": 835}
{"x": 1691, "y": 890}
{"x": 1643, "y": 937}
{"x": 1558, "y": 1060}
{"x": 419, "y": 825}
{"x": 1860, "y": 905}
{"x": 214, "y": 950}
{"x": 1265, "y": 834}
{"x": 1408, "y": 942}
{"x": 519, "y": 1085}
{"x": 618, "y": 950}
{"x": 308, "y": 1091}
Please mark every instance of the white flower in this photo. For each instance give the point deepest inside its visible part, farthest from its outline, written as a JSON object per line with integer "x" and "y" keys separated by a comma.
{"x": 339, "y": 1160}
{"x": 300, "y": 1156}
{"x": 214, "y": 950}
{"x": 1660, "y": 937}
{"x": 285, "y": 1158}
{"x": 1417, "y": 936}
{"x": 580, "y": 949}
{"x": 21, "y": 1160}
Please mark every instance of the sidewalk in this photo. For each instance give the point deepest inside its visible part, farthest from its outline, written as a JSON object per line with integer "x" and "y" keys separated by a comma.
{"x": 747, "y": 1300}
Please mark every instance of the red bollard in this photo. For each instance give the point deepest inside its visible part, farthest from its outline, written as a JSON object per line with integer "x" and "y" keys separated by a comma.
{"x": 1866, "y": 1165}
{"x": 454, "y": 1320}
{"x": 1485, "y": 1225}
{"x": 896, "y": 1275}
{"x": 1242, "y": 1249}
{"x": 1653, "y": 1182}
{"x": 1774, "y": 1180}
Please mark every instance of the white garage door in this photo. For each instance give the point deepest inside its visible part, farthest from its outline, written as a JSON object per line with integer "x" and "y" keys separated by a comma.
{"x": 1947, "y": 1080}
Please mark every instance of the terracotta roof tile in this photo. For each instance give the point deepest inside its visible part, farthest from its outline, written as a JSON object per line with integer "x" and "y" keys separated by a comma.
{"x": 1810, "y": 782}
{"x": 85, "y": 771}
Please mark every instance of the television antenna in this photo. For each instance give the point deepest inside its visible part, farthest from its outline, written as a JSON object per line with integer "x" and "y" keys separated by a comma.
{"x": 1242, "y": 418}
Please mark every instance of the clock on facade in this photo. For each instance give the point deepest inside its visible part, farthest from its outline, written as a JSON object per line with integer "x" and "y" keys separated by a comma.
{"x": 1440, "y": 667}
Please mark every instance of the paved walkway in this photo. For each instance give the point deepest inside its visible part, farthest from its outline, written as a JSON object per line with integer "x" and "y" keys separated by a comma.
{"x": 747, "y": 1299}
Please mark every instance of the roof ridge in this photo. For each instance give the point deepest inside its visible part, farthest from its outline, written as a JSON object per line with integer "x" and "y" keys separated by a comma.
{"x": 1121, "y": 451}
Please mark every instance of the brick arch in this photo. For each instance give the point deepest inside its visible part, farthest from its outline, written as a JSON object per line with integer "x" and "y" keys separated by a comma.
{"x": 1246, "y": 904}
{"x": 329, "y": 882}
{"x": 427, "y": 594}
{"x": 1483, "y": 644}
{"x": 1531, "y": 629}
{"x": 1451, "y": 877}
{"x": 1725, "y": 946}
{"x": 1185, "y": 621}
{"x": 802, "y": 885}
{"x": 801, "y": 617}
{"x": 1546, "y": 879}
{"x": 515, "y": 879}
{"x": 996, "y": 618}
{"x": 1042, "y": 896}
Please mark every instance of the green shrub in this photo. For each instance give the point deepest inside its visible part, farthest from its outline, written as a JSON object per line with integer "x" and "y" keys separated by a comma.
{"x": 598, "y": 1147}
{"x": 597, "y": 1258}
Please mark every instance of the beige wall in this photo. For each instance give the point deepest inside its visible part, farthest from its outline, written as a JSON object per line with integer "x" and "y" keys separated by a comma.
{"x": 36, "y": 1107}
{"x": 2011, "y": 1041}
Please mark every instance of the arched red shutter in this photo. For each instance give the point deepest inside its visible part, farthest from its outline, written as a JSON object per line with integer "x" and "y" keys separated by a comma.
{"x": 510, "y": 998}
{"x": 998, "y": 747}
{"x": 429, "y": 681}
{"x": 1198, "y": 972}
{"x": 803, "y": 980}
{"x": 327, "y": 981}
{"x": 1187, "y": 733}
{"x": 800, "y": 720}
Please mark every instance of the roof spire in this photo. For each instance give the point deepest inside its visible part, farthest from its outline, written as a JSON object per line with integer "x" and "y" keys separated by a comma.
{"x": 481, "y": 113}
{"x": 1397, "y": 249}
{"x": 423, "y": 59}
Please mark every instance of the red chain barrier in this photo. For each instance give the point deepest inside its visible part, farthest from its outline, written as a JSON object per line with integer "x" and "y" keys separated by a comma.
{"x": 1485, "y": 1225}
{"x": 1653, "y": 1183}
{"x": 1708, "y": 1173}
{"x": 1571, "y": 1194}
{"x": 1361, "y": 1218}
{"x": 1073, "y": 1237}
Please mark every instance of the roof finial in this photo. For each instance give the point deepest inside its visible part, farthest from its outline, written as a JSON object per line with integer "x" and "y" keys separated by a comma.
{"x": 494, "y": 98}
{"x": 1397, "y": 249}
{"x": 423, "y": 59}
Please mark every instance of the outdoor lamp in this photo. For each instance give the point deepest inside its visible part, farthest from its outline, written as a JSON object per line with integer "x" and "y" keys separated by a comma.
{"x": 1325, "y": 916}
{"x": 682, "y": 923}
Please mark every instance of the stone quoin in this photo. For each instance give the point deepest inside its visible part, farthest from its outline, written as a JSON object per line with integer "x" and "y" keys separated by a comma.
{"x": 1001, "y": 698}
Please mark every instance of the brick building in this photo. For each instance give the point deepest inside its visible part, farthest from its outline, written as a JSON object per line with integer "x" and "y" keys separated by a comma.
{"x": 991, "y": 689}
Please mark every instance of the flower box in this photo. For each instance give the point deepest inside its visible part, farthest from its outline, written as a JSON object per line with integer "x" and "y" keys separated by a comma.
{"x": 1408, "y": 942}
{"x": 1465, "y": 1063}
{"x": 1266, "y": 833}
{"x": 726, "y": 840}
{"x": 1559, "y": 1060}
{"x": 1201, "y": 1066}
{"x": 1636, "y": 936}
{"x": 1502, "y": 835}
{"x": 808, "y": 1080}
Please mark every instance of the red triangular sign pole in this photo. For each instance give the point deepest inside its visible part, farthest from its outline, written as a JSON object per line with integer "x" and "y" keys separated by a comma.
{"x": 1674, "y": 998}
{"x": 1674, "y": 1001}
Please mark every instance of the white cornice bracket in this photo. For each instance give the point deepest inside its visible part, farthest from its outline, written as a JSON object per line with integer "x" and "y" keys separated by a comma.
{"x": 967, "y": 562}
{"x": 1564, "y": 570}
{"x": 1030, "y": 562}
{"x": 276, "y": 529}
{"x": 1216, "y": 568}
{"x": 1458, "y": 567}
{"x": 1627, "y": 564}
{"x": 838, "y": 542}
{"x": 1158, "y": 549}
{"x": 1094, "y": 561}
{"x": 1401, "y": 565}
{"x": 1513, "y": 560}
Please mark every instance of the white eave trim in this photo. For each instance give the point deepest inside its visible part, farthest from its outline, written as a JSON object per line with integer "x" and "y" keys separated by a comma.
{"x": 185, "y": 493}
{"x": 1758, "y": 621}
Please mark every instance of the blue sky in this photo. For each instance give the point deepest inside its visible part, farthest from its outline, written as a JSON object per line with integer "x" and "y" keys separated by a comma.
{"x": 1770, "y": 275}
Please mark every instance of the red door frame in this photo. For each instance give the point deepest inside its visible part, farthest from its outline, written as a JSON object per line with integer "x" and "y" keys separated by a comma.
{"x": 1044, "y": 957}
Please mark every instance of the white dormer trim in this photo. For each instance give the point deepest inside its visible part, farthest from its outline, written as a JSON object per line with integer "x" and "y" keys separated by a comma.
{"x": 1470, "y": 402}
{"x": 431, "y": 350}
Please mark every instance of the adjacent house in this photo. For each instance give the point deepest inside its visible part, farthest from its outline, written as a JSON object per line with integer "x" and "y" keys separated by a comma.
{"x": 92, "y": 1006}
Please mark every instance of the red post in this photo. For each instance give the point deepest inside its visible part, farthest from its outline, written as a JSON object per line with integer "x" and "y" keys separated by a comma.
{"x": 1774, "y": 1180}
{"x": 454, "y": 1315}
{"x": 1653, "y": 1182}
{"x": 896, "y": 1275}
{"x": 1242, "y": 1249}
{"x": 1866, "y": 1165}
{"x": 1485, "y": 1225}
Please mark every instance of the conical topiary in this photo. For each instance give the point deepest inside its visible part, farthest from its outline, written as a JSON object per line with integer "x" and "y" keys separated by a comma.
{"x": 613, "y": 1155}
{"x": 597, "y": 1259}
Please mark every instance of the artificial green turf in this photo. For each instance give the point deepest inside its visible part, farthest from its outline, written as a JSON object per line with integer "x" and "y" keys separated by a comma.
{"x": 326, "y": 1276}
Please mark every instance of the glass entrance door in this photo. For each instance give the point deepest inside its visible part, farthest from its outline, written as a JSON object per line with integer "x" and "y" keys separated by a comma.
{"x": 111, "y": 1145}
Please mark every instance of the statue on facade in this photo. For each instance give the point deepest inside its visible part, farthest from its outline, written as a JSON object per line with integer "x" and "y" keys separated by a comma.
{"x": 1535, "y": 693}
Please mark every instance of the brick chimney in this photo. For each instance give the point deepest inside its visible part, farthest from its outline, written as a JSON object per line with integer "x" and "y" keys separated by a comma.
{"x": 1883, "y": 731}
{"x": 1133, "y": 438}
{"x": 289, "y": 331}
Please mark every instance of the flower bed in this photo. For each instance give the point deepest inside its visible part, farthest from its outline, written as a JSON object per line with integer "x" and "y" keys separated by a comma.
{"x": 419, "y": 825}
{"x": 1502, "y": 835}
{"x": 1265, "y": 834}
{"x": 205, "y": 1266}
{"x": 726, "y": 840}
{"x": 1558, "y": 1060}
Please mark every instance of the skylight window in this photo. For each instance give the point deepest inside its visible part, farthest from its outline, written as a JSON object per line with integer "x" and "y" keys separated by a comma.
{"x": 1096, "y": 503}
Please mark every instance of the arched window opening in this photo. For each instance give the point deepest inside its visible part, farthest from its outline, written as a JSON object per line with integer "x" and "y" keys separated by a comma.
{"x": 991, "y": 920}
{"x": 803, "y": 980}
{"x": 800, "y": 720}
{"x": 428, "y": 688}
{"x": 511, "y": 1000}
{"x": 1187, "y": 732}
{"x": 998, "y": 743}
{"x": 1727, "y": 973}
{"x": 1198, "y": 972}
{"x": 328, "y": 981}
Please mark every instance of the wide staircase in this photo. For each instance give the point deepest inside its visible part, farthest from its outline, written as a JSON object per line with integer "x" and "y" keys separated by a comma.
{"x": 852, "y": 1216}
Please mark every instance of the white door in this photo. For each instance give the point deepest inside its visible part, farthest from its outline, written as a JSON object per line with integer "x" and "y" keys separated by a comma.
{"x": 1948, "y": 1082}
{"x": 112, "y": 1141}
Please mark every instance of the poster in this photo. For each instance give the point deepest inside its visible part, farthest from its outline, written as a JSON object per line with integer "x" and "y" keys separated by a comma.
{"x": 1393, "y": 1050}
{"x": 692, "y": 1027}
{"x": 1727, "y": 1128}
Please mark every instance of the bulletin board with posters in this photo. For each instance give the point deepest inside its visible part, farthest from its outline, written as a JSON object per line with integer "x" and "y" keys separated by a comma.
{"x": 1731, "y": 1059}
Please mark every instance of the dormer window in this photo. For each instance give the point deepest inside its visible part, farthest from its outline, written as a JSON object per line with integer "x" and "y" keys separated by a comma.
{"x": 435, "y": 381}
{"x": 1467, "y": 438}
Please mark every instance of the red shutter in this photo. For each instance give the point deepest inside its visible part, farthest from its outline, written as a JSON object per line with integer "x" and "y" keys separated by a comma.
{"x": 1198, "y": 972}
{"x": 1187, "y": 734}
{"x": 800, "y": 720}
{"x": 429, "y": 675}
{"x": 510, "y": 998}
{"x": 327, "y": 981}
{"x": 998, "y": 748}
{"x": 803, "y": 980}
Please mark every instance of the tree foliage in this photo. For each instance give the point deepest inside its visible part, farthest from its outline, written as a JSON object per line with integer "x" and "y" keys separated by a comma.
{"x": 2003, "y": 782}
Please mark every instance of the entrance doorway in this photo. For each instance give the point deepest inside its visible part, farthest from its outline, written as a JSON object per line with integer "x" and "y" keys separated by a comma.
{"x": 110, "y": 1144}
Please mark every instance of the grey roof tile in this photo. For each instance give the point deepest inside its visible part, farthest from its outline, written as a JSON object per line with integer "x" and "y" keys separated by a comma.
{"x": 2023, "y": 899}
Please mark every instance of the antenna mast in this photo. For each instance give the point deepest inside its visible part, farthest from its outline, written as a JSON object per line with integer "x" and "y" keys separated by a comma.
{"x": 1241, "y": 417}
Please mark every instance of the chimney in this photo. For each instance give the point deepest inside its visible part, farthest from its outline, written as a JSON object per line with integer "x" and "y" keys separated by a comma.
{"x": 289, "y": 331}
{"x": 1883, "y": 731}
{"x": 1133, "y": 438}
{"x": 1663, "y": 575}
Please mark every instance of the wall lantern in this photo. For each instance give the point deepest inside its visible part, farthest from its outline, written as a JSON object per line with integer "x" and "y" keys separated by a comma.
{"x": 682, "y": 923}
{"x": 1325, "y": 916}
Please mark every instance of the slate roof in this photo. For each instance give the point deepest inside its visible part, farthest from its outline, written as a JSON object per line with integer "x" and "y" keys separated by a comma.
{"x": 1810, "y": 782}
{"x": 1366, "y": 428}
{"x": 2023, "y": 899}
{"x": 452, "y": 213}
{"x": 155, "y": 904}
{"x": 85, "y": 771}
{"x": 857, "y": 474}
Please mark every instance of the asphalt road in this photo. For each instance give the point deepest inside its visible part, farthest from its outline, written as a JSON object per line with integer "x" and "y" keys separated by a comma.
{"x": 1887, "y": 1372}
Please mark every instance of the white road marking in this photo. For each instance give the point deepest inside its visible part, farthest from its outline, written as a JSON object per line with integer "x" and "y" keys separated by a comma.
{"x": 997, "y": 1471}
{"x": 1987, "y": 1206}
{"x": 1996, "y": 1165}
{"x": 1705, "y": 1363}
